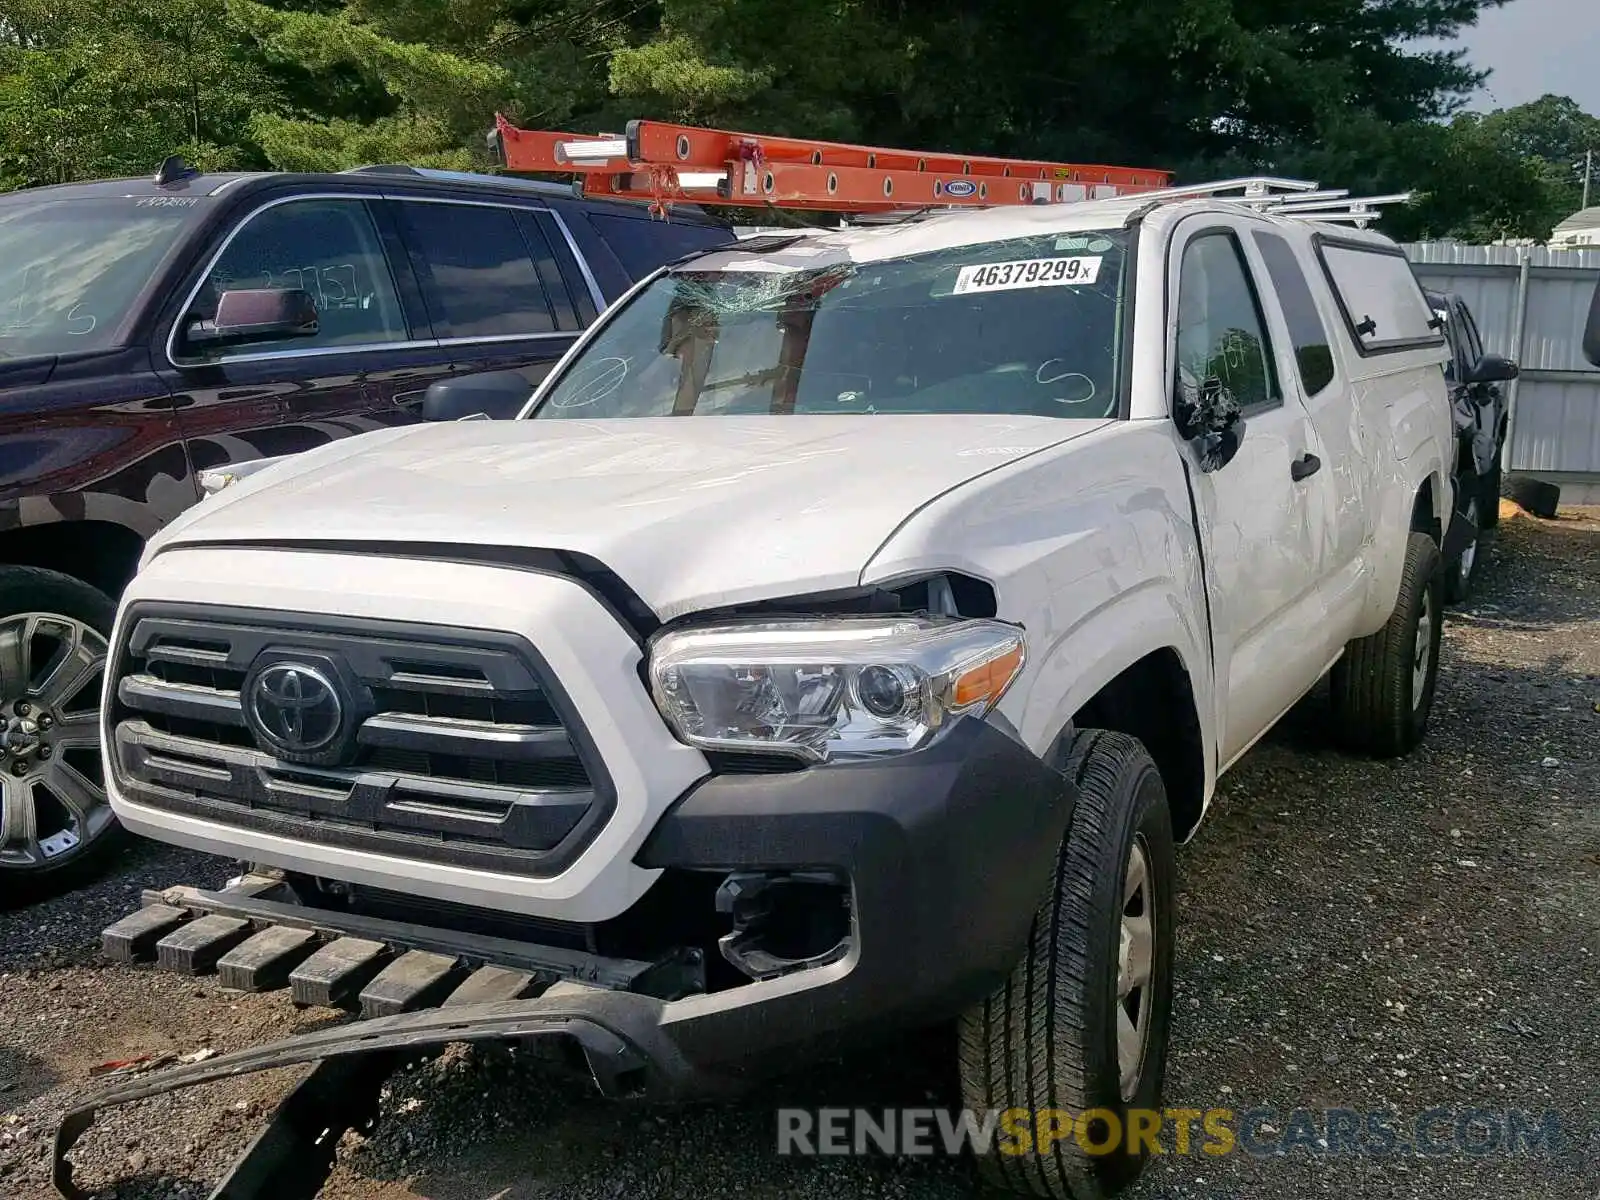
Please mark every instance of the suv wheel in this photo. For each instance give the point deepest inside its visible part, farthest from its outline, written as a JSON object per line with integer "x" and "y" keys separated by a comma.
{"x": 1464, "y": 570}
{"x": 1489, "y": 493}
{"x": 1382, "y": 689}
{"x": 55, "y": 824}
{"x": 1081, "y": 1026}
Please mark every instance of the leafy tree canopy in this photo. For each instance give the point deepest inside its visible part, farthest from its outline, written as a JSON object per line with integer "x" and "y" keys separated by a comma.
{"x": 1334, "y": 90}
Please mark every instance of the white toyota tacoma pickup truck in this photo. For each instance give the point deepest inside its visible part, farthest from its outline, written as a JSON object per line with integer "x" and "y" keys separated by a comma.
{"x": 840, "y": 640}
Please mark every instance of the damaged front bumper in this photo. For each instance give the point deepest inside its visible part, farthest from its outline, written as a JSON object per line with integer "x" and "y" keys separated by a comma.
{"x": 944, "y": 855}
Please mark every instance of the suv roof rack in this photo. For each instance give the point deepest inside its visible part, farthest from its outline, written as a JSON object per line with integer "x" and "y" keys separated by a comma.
{"x": 537, "y": 186}
{"x": 662, "y": 164}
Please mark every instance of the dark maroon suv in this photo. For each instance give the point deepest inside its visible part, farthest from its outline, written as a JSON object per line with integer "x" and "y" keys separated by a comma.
{"x": 151, "y": 329}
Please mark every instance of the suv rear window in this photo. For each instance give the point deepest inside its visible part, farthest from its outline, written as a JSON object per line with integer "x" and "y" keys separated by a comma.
{"x": 641, "y": 245}
{"x": 70, "y": 270}
{"x": 484, "y": 282}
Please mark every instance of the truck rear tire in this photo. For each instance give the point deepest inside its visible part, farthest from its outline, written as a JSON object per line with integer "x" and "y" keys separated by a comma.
{"x": 1082, "y": 1023}
{"x": 56, "y": 828}
{"x": 1382, "y": 689}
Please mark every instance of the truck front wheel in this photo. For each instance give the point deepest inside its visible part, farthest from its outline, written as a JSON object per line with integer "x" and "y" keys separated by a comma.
{"x": 55, "y": 824}
{"x": 1382, "y": 689}
{"x": 1071, "y": 1052}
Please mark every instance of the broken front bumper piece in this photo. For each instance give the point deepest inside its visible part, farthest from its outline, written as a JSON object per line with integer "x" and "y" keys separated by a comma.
{"x": 415, "y": 993}
{"x": 291, "y": 1159}
{"x": 946, "y": 851}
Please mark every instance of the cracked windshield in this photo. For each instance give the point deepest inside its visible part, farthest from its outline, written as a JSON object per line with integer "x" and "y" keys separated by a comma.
{"x": 1026, "y": 327}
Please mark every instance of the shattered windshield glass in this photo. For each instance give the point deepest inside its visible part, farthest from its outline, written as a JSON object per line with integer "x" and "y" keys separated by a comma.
{"x": 1030, "y": 326}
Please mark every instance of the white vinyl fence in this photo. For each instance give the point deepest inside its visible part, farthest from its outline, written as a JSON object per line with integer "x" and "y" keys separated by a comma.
{"x": 1530, "y": 303}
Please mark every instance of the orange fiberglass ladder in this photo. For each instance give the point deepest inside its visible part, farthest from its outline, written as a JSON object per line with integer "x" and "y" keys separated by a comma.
{"x": 662, "y": 164}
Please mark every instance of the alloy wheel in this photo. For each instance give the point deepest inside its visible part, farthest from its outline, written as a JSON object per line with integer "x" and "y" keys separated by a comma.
{"x": 1136, "y": 959}
{"x": 52, "y": 790}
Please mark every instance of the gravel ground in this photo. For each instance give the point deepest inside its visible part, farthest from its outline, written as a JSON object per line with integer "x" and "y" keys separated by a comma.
{"x": 1379, "y": 937}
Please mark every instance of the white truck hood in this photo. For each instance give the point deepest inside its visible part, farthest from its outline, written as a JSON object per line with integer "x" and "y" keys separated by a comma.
{"x": 691, "y": 512}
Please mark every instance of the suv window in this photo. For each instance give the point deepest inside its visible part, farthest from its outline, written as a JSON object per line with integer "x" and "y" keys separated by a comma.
{"x": 477, "y": 272}
{"x": 1220, "y": 329}
{"x": 329, "y": 248}
{"x": 539, "y": 232}
{"x": 642, "y": 245}
{"x": 1313, "y": 355}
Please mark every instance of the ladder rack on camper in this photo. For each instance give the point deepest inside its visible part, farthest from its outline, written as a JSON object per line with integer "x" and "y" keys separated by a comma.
{"x": 663, "y": 164}
{"x": 1297, "y": 199}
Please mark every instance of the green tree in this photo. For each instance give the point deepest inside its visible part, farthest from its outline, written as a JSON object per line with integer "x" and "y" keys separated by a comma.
{"x": 92, "y": 89}
{"x": 420, "y": 80}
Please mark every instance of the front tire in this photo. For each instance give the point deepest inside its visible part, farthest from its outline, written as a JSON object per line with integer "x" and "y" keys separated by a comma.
{"x": 56, "y": 828}
{"x": 1082, "y": 1023}
{"x": 1382, "y": 689}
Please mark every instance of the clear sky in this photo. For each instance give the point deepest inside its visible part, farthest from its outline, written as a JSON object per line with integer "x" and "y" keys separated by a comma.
{"x": 1534, "y": 47}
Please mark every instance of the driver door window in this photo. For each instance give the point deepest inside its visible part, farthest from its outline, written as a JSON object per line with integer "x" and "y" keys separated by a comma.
{"x": 1221, "y": 332}
{"x": 328, "y": 248}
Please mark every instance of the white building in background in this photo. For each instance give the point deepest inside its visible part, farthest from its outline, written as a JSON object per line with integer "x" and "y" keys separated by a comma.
{"x": 1580, "y": 229}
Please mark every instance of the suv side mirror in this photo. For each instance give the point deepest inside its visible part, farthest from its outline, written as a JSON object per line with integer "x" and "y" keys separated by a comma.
{"x": 1209, "y": 416}
{"x": 497, "y": 395}
{"x": 1492, "y": 368}
{"x": 1591, "y": 333}
{"x": 256, "y": 315}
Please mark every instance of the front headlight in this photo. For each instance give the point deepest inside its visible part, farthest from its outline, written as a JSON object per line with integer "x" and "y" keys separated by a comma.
{"x": 837, "y": 688}
{"x": 215, "y": 479}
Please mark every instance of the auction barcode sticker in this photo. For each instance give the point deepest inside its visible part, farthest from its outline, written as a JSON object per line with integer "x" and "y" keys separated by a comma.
{"x": 1026, "y": 273}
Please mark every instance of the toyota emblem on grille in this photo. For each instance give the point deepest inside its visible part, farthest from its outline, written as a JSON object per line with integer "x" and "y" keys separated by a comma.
{"x": 294, "y": 708}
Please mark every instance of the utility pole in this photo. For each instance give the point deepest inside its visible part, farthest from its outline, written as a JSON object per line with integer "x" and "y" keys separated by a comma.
{"x": 1588, "y": 174}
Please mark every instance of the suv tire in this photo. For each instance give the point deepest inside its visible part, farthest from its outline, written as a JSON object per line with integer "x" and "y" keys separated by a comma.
{"x": 56, "y": 829}
{"x": 1491, "y": 485}
{"x": 1049, "y": 1039}
{"x": 1463, "y": 571}
{"x": 1382, "y": 689}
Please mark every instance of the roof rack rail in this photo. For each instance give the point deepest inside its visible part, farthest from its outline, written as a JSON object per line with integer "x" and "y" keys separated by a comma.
{"x": 1297, "y": 199}
{"x": 663, "y": 163}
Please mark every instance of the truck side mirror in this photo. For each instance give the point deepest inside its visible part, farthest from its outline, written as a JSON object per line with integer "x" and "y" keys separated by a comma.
{"x": 1591, "y": 333}
{"x": 496, "y": 395}
{"x": 1208, "y": 415}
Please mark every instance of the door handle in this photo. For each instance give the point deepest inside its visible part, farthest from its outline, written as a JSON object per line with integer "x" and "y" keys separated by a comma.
{"x": 1305, "y": 467}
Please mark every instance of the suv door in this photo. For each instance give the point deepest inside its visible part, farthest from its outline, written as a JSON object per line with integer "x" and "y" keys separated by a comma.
{"x": 493, "y": 285}
{"x": 1263, "y": 514}
{"x": 1485, "y": 402}
{"x": 282, "y": 397}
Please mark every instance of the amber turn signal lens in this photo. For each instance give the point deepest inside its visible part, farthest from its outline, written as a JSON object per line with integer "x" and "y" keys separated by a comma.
{"x": 985, "y": 682}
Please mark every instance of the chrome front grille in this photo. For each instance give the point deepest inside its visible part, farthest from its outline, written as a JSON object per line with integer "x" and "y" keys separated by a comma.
{"x": 459, "y": 745}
